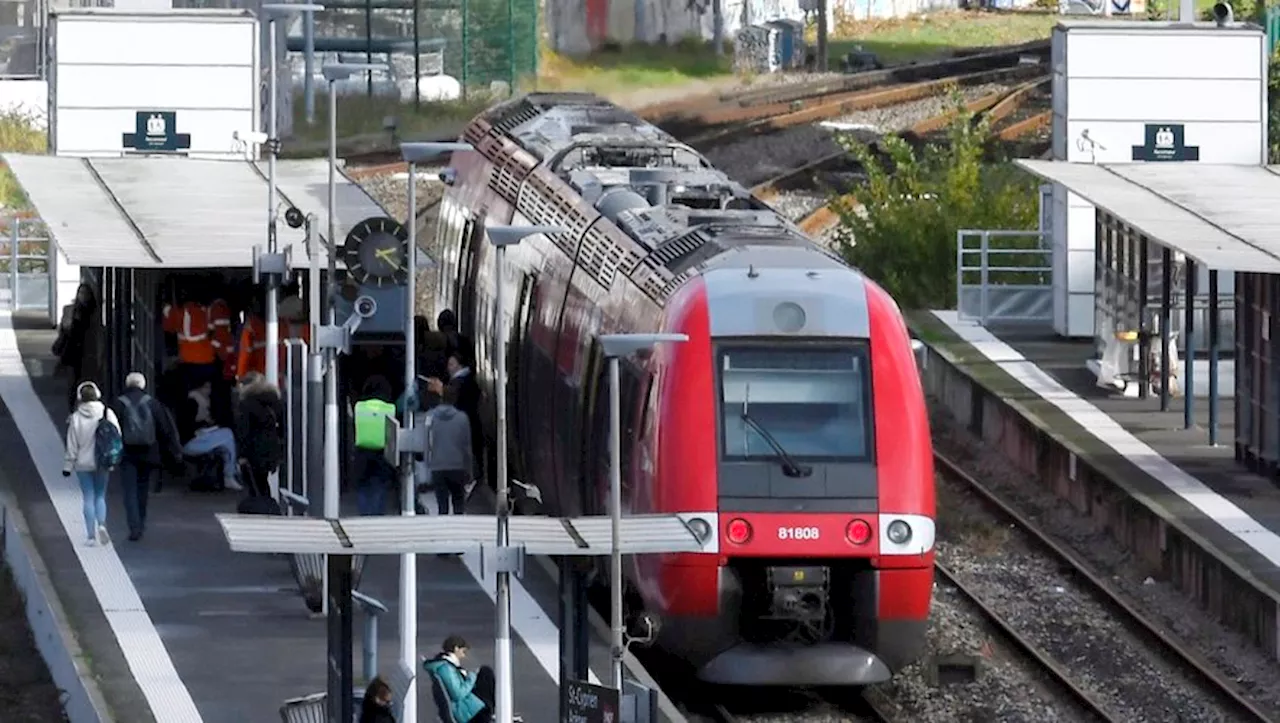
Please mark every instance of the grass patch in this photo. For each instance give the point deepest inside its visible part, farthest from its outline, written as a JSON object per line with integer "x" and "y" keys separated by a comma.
{"x": 621, "y": 69}
{"x": 20, "y": 132}
{"x": 935, "y": 35}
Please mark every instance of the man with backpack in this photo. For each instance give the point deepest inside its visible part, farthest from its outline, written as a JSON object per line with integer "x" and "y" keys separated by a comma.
{"x": 146, "y": 430}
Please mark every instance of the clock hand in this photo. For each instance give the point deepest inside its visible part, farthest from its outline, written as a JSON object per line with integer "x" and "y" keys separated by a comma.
{"x": 385, "y": 253}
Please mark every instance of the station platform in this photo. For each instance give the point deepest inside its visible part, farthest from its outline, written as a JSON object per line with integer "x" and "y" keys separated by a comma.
{"x": 179, "y": 629}
{"x": 1224, "y": 508}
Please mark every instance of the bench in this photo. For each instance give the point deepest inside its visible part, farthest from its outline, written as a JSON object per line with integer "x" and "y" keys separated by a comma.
{"x": 400, "y": 677}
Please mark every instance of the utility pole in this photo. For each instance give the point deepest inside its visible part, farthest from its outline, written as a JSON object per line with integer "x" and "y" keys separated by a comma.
{"x": 822, "y": 36}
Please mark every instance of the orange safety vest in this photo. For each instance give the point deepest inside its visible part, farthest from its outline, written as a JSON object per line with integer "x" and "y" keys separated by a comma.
{"x": 171, "y": 318}
{"x": 220, "y": 320}
{"x": 252, "y": 355}
{"x": 195, "y": 345}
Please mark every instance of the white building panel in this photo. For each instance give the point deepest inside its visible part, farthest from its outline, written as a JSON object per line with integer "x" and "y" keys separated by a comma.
{"x": 1120, "y": 85}
{"x": 191, "y": 74}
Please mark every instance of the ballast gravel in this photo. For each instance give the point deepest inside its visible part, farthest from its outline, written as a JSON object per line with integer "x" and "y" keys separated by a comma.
{"x": 1163, "y": 604}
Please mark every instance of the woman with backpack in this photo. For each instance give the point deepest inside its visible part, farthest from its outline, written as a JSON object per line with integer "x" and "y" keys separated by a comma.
{"x": 94, "y": 448}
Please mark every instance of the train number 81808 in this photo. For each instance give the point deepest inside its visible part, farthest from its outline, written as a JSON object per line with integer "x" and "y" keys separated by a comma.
{"x": 799, "y": 533}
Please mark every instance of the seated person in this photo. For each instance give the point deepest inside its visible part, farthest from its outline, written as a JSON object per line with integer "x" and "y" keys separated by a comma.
{"x": 203, "y": 435}
{"x": 470, "y": 695}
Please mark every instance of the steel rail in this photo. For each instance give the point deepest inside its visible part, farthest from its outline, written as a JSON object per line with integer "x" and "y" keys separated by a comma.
{"x": 1014, "y": 131}
{"x": 1192, "y": 660}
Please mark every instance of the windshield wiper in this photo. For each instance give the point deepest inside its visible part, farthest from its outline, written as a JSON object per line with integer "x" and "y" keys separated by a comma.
{"x": 789, "y": 466}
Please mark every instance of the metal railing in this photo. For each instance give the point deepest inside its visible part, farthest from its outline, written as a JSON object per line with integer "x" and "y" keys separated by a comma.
{"x": 1003, "y": 276}
{"x": 24, "y": 263}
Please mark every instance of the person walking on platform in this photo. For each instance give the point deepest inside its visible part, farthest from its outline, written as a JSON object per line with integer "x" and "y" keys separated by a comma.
{"x": 208, "y": 435}
{"x": 251, "y": 352}
{"x": 447, "y": 323}
{"x": 470, "y": 696}
{"x": 449, "y": 454}
{"x": 260, "y": 430}
{"x": 220, "y": 329}
{"x": 93, "y": 448}
{"x": 374, "y": 474}
{"x": 375, "y": 707}
{"x": 144, "y": 430}
{"x": 72, "y": 343}
{"x": 467, "y": 400}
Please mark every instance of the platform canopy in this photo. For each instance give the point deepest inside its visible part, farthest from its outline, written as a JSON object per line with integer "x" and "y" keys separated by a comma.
{"x": 422, "y": 534}
{"x": 1222, "y": 216}
{"x": 177, "y": 212}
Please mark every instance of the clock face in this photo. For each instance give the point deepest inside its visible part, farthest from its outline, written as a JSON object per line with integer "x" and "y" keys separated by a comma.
{"x": 377, "y": 253}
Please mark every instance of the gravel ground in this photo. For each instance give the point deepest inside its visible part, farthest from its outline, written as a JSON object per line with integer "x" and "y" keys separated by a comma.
{"x": 901, "y": 117}
{"x": 795, "y": 205}
{"x": 1006, "y": 689}
{"x": 27, "y": 694}
{"x": 1045, "y": 603}
{"x": 1159, "y": 601}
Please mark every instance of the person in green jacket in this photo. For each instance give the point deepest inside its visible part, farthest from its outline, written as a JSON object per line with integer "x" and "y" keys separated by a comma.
{"x": 374, "y": 474}
{"x": 470, "y": 695}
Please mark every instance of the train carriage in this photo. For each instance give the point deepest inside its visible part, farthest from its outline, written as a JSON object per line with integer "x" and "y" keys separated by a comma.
{"x": 790, "y": 430}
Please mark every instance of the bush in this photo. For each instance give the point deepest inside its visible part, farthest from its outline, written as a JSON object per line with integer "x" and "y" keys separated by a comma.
{"x": 914, "y": 201}
{"x": 20, "y": 132}
{"x": 1273, "y": 108}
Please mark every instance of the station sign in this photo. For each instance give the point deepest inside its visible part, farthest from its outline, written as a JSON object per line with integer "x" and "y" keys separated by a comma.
{"x": 587, "y": 703}
{"x": 156, "y": 131}
{"x": 1165, "y": 142}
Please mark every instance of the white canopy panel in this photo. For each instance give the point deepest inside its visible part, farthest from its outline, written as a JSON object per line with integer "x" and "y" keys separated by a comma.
{"x": 178, "y": 212}
{"x": 1219, "y": 215}
{"x": 394, "y": 535}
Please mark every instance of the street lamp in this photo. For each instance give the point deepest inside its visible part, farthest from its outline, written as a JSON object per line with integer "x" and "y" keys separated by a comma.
{"x": 274, "y": 12}
{"x": 332, "y": 74}
{"x": 614, "y": 347}
{"x": 502, "y": 237}
{"x": 413, "y": 153}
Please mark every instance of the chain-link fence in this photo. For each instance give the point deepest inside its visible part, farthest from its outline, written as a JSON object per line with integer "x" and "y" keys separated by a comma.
{"x": 24, "y": 263}
{"x": 23, "y": 27}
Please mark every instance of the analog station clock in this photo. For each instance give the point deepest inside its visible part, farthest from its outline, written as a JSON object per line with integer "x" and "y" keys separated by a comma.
{"x": 377, "y": 252}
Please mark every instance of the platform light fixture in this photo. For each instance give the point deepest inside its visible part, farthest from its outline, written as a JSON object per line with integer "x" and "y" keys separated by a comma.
{"x": 614, "y": 347}
{"x": 501, "y": 237}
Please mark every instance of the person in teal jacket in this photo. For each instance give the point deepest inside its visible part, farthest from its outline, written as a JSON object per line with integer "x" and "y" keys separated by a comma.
{"x": 470, "y": 695}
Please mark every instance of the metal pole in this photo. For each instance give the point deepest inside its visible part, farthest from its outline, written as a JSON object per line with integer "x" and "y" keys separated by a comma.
{"x": 717, "y": 25}
{"x": 315, "y": 381}
{"x": 309, "y": 66}
{"x": 1213, "y": 357}
{"x": 417, "y": 75}
{"x": 331, "y": 372}
{"x": 1189, "y": 349}
{"x": 1166, "y": 320}
{"x": 1144, "y": 329}
{"x": 822, "y": 36}
{"x": 502, "y": 652}
{"x": 15, "y": 238}
{"x": 369, "y": 659}
{"x": 273, "y": 293}
{"x": 615, "y": 509}
{"x": 368, "y": 36}
{"x": 409, "y": 562}
{"x": 511, "y": 45}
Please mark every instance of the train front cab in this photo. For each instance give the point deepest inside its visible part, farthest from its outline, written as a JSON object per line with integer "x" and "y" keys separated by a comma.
{"x": 796, "y": 413}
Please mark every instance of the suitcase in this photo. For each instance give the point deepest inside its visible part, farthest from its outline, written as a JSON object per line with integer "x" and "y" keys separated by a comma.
{"x": 206, "y": 473}
{"x": 258, "y": 505}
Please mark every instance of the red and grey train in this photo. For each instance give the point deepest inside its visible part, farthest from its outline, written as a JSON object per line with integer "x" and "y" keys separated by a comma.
{"x": 792, "y": 422}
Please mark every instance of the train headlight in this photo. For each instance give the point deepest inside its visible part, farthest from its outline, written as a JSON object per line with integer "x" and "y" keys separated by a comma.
{"x": 701, "y": 529}
{"x": 899, "y": 532}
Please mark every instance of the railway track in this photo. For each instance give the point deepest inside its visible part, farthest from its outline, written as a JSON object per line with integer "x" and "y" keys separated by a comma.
{"x": 1090, "y": 695}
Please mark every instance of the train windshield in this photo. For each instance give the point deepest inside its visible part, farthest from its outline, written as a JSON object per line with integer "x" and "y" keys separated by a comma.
{"x": 812, "y": 400}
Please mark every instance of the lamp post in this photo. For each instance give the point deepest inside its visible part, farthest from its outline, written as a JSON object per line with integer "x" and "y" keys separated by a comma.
{"x": 614, "y": 347}
{"x": 502, "y": 237}
{"x": 332, "y": 74}
{"x": 413, "y": 153}
{"x": 274, "y": 12}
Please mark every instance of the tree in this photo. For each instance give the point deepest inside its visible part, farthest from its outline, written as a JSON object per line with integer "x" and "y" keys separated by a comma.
{"x": 901, "y": 227}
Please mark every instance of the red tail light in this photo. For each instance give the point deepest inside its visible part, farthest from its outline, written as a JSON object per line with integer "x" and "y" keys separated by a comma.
{"x": 858, "y": 532}
{"x": 738, "y": 531}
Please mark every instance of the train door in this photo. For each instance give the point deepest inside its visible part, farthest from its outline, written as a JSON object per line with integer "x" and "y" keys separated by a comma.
{"x": 464, "y": 299}
{"x": 517, "y": 374}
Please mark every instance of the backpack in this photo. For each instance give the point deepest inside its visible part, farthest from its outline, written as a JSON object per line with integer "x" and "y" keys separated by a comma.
{"x": 137, "y": 425}
{"x": 108, "y": 447}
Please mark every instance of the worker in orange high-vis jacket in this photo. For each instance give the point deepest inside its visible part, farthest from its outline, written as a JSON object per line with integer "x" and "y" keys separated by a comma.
{"x": 171, "y": 318}
{"x": 220, "y": 324}
{"x": 196, "y": 352}
{"x": 251, "y": 353}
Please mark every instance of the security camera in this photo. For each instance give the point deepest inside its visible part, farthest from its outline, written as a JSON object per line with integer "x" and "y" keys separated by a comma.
{"x": 1222, "y": 14}
{"x": 366, "y": 307}
{"x": 249, "y": 137}
{"x": 294, "y": 217}
{"x": 448, "y": 176}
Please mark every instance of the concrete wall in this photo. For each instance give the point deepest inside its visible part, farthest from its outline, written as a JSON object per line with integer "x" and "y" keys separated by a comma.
{"x": 576, "y": 26}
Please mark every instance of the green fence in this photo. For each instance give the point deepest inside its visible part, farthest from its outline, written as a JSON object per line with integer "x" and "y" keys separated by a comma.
{"x": 1272, "y": 24}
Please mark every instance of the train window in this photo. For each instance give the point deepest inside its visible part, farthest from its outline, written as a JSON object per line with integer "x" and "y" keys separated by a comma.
{"x": 812, "y": 401}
